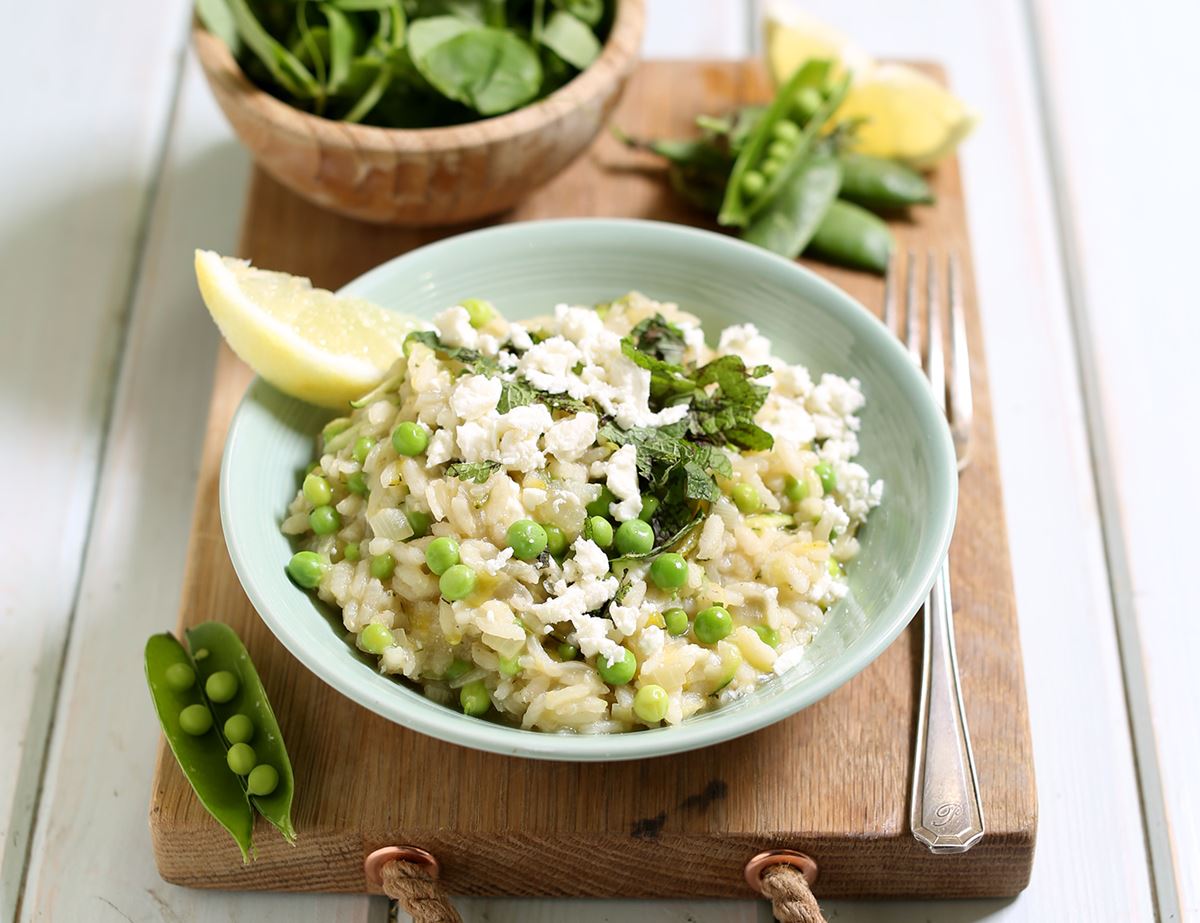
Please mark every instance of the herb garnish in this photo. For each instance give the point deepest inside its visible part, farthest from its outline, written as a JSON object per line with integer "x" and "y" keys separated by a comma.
{"x": 477, "y": 472}
{"x": 472, "y": 359}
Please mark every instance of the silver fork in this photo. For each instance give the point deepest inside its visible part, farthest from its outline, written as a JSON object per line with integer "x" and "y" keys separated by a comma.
{"x": 946, "y": 813}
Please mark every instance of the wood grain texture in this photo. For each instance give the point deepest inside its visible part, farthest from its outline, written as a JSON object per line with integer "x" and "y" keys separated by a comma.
{"x": 831, "y": 781}
{"x": 431, "y": 176}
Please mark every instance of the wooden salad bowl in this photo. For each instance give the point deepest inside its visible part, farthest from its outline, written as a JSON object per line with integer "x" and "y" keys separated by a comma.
{"x": 424, "y": 176}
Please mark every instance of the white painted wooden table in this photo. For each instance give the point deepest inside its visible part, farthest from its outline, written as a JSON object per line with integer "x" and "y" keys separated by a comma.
{"x": 1082, "y": 189}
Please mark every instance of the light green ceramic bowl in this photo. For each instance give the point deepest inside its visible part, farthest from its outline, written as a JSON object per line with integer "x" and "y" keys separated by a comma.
{"x": 528, "y": 268}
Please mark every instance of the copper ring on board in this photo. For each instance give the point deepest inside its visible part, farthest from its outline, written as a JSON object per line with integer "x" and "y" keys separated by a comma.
{"x": 760, "y": 863}
{"x": 374, "y": 863}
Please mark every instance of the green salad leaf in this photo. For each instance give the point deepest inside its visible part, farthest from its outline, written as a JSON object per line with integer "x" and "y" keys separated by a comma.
{"x": 478, "y": 472}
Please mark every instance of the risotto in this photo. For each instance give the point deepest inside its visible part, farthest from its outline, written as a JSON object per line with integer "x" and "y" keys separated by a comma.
{"x": 589, "y": 523}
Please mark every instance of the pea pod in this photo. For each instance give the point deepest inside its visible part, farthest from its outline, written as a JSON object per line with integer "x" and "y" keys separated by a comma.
{"x": 750, "y": 188}
{"x": 225, "y": 652}
{"x": 202, "y": 758}
{"x": 877, "y": 183}
{"x": 789, "y": 222}
{"x": 852, "y": 236}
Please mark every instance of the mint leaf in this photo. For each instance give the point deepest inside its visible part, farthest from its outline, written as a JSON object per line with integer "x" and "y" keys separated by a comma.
{"x": 516, "y": 393}
{"x": 726, "y": 413}
{"x": 478, "y": 472}
{"x": 472, "y": 359}
{"x": 657, "y": 337}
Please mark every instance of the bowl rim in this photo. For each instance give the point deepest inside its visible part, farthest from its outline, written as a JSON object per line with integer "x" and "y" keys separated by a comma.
{"x": 617, "y": 60}
{"x": 445, "y": 724}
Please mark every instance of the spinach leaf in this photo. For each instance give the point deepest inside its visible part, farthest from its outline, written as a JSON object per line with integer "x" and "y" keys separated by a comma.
{"x": 218, "y": 19}
{"x": 425, "y": 34}
{"x": 590, "y": 11}
{"x": 283, "y": 66}
{"x": 478, "y": 472}
{"x": 490, "y": 70}
{"x": 354, "y": 6}
{"x": 570, "y": 39}
{"x": 373, "y": 94}
{"x": 342, "y": 40}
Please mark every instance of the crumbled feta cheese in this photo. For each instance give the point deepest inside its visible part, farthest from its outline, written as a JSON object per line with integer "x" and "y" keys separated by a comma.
{"x": 475, "y": 395}
{"x": 548, "y": 365}
{"x": 623, "y": 482}
{"x": 588, "y": 561}
{"x": 745, "y": 341}
{"x": 440, "y": 448}
{"x": 519, "y": 337}
{"x": 454, "y": 328}
{"x": 571, "y": 437}
{"x": 510, "y": 438}
{"x": 624, "y": 618}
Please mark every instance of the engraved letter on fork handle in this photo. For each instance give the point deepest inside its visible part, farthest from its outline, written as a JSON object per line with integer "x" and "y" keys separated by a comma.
{"x": 947, "y": 814}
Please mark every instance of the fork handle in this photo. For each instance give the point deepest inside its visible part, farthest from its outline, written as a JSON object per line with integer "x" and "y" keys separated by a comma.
{"x": 946, "y": 813}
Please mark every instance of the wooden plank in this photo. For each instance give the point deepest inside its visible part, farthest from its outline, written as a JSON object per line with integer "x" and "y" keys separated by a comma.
{"x": 850, "y": 802}
{"x": 1129, "y": 248}
{"x": 91, "y": 859}
{"x": 1089, "y": 800}
{"x": 75, "y": 171}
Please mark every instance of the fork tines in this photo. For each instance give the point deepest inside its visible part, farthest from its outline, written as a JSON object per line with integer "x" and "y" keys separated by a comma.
{"x": 922, "y": 320}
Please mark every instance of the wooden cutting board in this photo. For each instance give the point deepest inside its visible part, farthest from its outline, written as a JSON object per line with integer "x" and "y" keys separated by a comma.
{"x": 832, "y": 781}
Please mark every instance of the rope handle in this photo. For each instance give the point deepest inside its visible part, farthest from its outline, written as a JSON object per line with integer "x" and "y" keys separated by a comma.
{"x": 409, "y": 876}
{"x": 785, "y": 878}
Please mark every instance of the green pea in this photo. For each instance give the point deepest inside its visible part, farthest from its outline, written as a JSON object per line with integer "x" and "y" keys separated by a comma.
{"x": 383, "y": 566}
{"x": 835, "y": 569}
{"x": 441, "y": 555}
{"x": 457, "y": 582}
{"x": 419, "y": 521}
{"x": 362, "y": 448}
{"x": 753, "y": 182}
{"x": 768, "y": 635}
{"x": 635, "y": 537}
{"x": 669, "y": 571}
{"x": 676, "y": 621}
{"x": 335, "y": 428}
{"x": 410, "y": 438}
{"x": 356, "y": 483}
{"x": 650, "y": 506}
{"x": 795, "y": 489}
{"x": 556, "y": 541}
{"x": 779, "y": 150}
{"x": 651, "y": 703}
{"x": 770, "y": 167}
{"x": 599, "y": 506}
{"x": 599, "y": 530}
{"x": 221, "y": 687}
{"x": 324, "y": 520}
{"x": 746, "y": 498}
{"x": 824, "y": 471}
{"x": 195, "y": 720}
{"x": 527, "y": 539}
{"x": 479, "y": 311}
{"x": 263, "y": 780}
{"x": 510, "y": 666}
{"x": 239, "y": 729}
{"x": 180, "y": 677}
{"x": 619, "y": 673}
{"x": 713, "y": 624}
{"x": 474, "y": 699}
{"x": 785, "y": 130}
{"x": 808, "y": 101}
{"x": 316, "y": 490}
{"x": 567, "y": 651}
{"x": 241, "y": 759}
{"x": 352, "y": 552}
{"x": 376, "y": 638}
{"x": 456, "y": 669}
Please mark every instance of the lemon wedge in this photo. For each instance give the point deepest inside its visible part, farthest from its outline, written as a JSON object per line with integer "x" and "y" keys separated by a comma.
{"x": 904, "y": 114}
{"x": 794, "y": 36}
{"x": 307, "y": 342}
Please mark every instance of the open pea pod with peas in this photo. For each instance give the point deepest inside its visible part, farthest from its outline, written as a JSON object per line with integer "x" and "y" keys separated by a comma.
{"x": 787, "y": 177}
{"x": 219, "y": 724}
